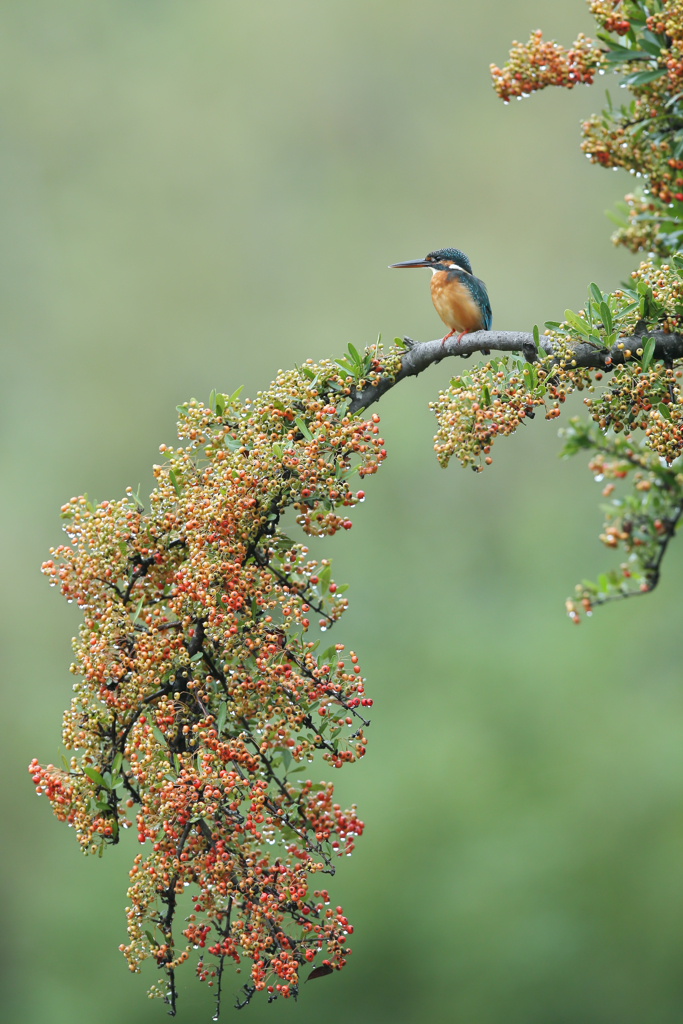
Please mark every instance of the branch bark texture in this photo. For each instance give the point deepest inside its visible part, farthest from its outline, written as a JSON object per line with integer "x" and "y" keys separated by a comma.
{"x": 421, "y": 355}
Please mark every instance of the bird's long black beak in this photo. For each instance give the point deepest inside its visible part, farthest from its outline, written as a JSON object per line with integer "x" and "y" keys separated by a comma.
{"x": 411, "y": 263}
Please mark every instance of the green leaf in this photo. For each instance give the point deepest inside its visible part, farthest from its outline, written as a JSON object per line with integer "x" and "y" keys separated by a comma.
{"x": 399, "y": 342}
{"x": 174, "y": 480}
{"x": 138, "y": 609}
{"x": 485, "y": 395}
{"x": 295, "y": 771}
{"x": 552, "y": 325}
{"x": 664, "y": 409}
{"x": 654, "y": 44}
{"x": 576, "y": 322}
{"x": 176, "y": 763}
{"x": 220, "y": 404}
{"x": 537, "y": 342}
{"x": 94, "y": 776}
{"x": 677, "y": 260}
{"x": 277, "y": 452}
{"x": 621, "y": 55}
{"x": 307, "y": 372}
{"x": 135, "y": 499}
{"x": 602, "y": 583}
{"x": 595, "y": 292}
{"x": 286, "y": 757}
{"x": 151, "y": 938}
{"x": 65, "y": 763}
{"x": 197, "y": 656}
{"x": 327, "y": 655}
{"x": 222, "y": 715}
{"x": 324, "y": 576}
{"x": 116, "y": 763}
{"x": 625, "y": 311}
{"x": 212, "y": 399}
{"x": 643, "y": 77}
{"x": 355, "y": 355}
{"x": 182, "y": 409}
{"x": 159, "y": 736}
{"x": 303, "y": 428}
{"x": 606, "y": 317}
{"x": 122, "y": 547}
{"x": 648, "y": 352}
{"x": 235, "y": 394}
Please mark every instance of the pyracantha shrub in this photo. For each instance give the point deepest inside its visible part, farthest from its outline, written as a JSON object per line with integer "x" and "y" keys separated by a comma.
{"x": 200, "y": 705}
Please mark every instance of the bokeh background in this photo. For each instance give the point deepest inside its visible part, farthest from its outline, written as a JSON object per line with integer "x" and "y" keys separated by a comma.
{"x": 193, "y": 195}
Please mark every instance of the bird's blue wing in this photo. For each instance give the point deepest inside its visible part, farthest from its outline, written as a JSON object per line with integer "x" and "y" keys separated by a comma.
{"x": 481, "y": 297}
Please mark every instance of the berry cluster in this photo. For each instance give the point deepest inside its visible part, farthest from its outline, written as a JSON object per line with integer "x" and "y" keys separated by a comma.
{"x": 643, "y": 224}
{"x": 642, "y": 522}
{"x": 610, "y": 15}
{"x": 490, "y": 401}
{"x": 643, "y": 40}
{"x": 199, "y": 700}
{"x": 538, "y": 64}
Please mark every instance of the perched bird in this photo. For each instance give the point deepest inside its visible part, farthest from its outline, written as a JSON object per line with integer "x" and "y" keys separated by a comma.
{"x": 460, "y": 298}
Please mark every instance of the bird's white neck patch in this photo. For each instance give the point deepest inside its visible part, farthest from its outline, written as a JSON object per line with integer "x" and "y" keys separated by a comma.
{"x": 451, "y": 266}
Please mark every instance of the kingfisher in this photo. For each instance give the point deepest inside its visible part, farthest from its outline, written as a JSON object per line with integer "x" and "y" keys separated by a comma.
{"x": 460, "y": 298}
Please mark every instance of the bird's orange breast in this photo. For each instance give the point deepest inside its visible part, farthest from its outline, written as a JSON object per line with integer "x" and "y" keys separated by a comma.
{"x": 454, "y": 303}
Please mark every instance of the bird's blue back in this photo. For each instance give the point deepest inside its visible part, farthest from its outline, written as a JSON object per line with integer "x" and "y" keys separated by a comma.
{"x": 479, "y": 294}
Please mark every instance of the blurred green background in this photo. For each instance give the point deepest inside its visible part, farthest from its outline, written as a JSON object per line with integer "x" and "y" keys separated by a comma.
{"x": 193, "y": 195}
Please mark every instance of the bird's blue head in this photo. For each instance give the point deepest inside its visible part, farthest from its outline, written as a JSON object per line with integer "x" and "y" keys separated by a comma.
{"x": 441, "y": 259}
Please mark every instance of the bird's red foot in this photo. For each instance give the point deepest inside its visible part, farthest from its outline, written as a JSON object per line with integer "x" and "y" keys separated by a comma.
{"x": 450, "y": 335}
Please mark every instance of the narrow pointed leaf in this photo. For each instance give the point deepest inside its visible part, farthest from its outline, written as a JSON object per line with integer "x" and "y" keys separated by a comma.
{"x": 576, "y": 322}
{"x": 320, "y": 972}
{"x": 94, "y": 775}
{"x": 648, "y": 352}
{"x": 303, "y": 428}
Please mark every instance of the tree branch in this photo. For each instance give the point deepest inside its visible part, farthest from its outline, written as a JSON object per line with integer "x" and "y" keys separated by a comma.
{"x": 421, "y": 355}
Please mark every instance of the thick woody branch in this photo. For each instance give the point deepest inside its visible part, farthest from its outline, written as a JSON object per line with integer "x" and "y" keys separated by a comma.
{"x": 420, "y": 355}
